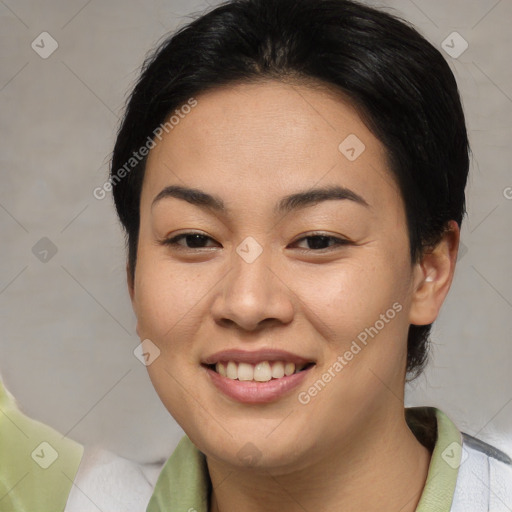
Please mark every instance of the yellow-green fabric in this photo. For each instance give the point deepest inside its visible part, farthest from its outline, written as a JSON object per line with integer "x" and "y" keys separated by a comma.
{"x": 184, "y": 483}
{"x": 37, "y": 464}
{"x": 444, "y": 467}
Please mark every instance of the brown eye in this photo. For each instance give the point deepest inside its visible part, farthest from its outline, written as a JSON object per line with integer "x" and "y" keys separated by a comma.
{"x": 192, "y": 241}
{"x": 321, "y": 242}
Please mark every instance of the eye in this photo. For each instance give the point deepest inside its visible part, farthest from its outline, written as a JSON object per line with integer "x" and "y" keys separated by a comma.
{"x": 322, "y": 241}
{"x": 192, "y": 241}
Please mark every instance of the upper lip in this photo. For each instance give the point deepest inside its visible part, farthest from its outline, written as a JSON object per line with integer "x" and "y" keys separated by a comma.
{"x": 256, "y": 356}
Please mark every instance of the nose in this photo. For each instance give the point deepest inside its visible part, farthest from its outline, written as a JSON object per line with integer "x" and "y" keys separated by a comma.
{"x": 253, "y": 294}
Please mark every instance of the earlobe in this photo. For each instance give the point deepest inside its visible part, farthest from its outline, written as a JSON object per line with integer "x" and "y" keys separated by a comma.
{"x": 433, "y": 277}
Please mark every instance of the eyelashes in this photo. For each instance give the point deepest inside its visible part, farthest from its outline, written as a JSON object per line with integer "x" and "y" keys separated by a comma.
{"x": 324, "y": 238}
{"x": 198, "y": 239}
{"x": 195, "y": 237}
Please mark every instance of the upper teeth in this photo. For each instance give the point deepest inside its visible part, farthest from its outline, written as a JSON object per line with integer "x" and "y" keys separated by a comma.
{"x": 261, "y": 372}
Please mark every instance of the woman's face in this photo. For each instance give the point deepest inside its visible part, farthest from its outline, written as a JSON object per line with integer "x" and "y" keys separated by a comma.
{"x": 319, "y": 279}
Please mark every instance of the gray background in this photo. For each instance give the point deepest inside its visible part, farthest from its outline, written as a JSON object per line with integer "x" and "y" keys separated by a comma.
{"x": 67, "y": 328}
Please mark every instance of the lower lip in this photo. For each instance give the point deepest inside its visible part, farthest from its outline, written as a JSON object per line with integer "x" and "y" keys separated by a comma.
{"x": 252, "y": 392}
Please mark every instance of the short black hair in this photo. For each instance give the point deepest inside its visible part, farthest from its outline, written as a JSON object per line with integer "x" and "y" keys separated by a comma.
{"x": 400, "y": 84}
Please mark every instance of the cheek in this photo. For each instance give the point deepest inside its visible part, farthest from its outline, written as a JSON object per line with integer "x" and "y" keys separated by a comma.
{"x": 360, "y": 312}
{"x": 168, "y": 297}
{"x": 352, "y": 295}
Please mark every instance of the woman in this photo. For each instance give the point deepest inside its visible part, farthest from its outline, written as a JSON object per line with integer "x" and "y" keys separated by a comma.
{"x": 291, "y": 175}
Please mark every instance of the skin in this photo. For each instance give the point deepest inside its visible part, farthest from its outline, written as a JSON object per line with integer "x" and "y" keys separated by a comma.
{"x": 349, "y": 448}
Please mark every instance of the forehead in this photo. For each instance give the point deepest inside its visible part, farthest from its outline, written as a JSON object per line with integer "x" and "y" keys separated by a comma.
{"x": 270, "y": 137}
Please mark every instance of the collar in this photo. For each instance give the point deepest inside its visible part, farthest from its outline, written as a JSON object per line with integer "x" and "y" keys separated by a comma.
{"x": 184, "y": 483}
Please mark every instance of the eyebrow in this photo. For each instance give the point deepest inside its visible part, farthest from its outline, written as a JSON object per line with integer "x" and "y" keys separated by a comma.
{"x": 288, "y": 203}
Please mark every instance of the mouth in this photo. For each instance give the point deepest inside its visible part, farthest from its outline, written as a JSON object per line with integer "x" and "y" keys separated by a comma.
{"x": 258, "y": 383}
{"x": 263, "y": 371}
{"x": 257, "y": 377}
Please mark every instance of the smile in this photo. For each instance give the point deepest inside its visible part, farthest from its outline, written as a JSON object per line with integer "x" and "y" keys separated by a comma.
{"x": 256, "y": 376}
{"x": 263, "y": 371}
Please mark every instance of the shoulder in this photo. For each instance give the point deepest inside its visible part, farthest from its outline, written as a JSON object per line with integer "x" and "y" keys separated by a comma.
{"x": 42, "y": 470}
{"x": 38, "y": 463}
{"x": 484, "y": 481}
{"x": 475, "y": 444}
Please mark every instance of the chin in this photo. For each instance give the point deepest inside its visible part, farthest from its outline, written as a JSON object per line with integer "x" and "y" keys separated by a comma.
{"x": 254, "y": 450}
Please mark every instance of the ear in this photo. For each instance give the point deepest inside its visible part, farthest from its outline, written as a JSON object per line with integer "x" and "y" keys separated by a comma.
{"x": 433, "y": 277}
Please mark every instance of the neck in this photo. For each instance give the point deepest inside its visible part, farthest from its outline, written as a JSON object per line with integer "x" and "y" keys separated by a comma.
{"x": 381, "y": 469}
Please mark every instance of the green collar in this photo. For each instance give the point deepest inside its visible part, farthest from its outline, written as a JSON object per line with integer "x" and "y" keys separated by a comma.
{"x": 184, "y": 483}
{"x": 442, "y": 474}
